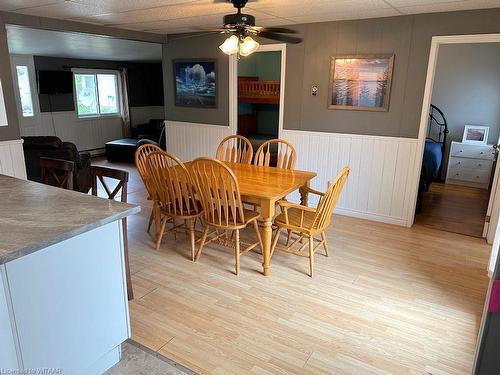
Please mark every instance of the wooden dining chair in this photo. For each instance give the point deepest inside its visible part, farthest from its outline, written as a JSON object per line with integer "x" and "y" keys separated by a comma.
{"x": 140, "y": 162}
{"x": 276, "y": 153}
{"x": 219, "y": 194}
{"x": 102, "y": 176}
{"x": 309, "y": 222}
{"x": 236, "y": 149}
{"x": 174, "y": 193}
{"x": 57, "y": 172}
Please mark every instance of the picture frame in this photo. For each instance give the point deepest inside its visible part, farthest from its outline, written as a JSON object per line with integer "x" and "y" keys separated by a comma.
{"x": 195, "y": 83}
{"x": 476, "y": 134}
{"x": 361, "y": 82}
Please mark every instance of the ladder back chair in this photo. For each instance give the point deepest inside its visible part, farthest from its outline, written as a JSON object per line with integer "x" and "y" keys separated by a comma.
{"x": 219, "y": 194}
{"x": 276, "y": 153}
{"x": 174, "y": 193}
{"x": 236, "y": 149}
{"x": 308, "y": 222}
{"x": 140, "y": 162}
{"x": 57, "y": 172}
{"x": 102, "y": 175}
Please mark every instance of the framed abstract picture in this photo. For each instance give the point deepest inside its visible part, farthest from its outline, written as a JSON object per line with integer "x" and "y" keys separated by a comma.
{"x": 195, "y": 83}
{"x": 360, "y": 82}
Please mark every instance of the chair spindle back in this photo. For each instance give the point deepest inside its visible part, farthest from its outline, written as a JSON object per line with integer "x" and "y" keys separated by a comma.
{"x": 218, "y": 191}
{"x": 329, "y": 200}
{"x": 236, "y": 149}
{"x": 140, "y": 162}
{"x": 276, "y": 152}
{"x": 171, "y": 184}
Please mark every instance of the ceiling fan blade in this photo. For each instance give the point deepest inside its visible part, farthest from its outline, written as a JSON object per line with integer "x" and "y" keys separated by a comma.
{"x": 281, "y": 30}
{"x": 194, "y": 35}
{"x": 280, "y": 37}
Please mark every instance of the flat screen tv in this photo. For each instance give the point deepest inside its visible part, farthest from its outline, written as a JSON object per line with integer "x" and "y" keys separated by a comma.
{"x": 55, "y": 82}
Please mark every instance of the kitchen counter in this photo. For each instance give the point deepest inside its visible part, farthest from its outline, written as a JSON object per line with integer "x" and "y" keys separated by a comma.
{"x": 34, "y": 216}
{"x": 63, "y": 288}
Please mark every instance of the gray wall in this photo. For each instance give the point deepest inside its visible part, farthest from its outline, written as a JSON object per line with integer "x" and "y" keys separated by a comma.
{"x": 308, "y": 63}
{"x": 11, "y": 131}
{"x": 204, "y": 47}
{"x": 467, "y": 88}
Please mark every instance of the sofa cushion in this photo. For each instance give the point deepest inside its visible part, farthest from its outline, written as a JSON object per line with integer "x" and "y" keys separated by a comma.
{"x": 41, "y": 142}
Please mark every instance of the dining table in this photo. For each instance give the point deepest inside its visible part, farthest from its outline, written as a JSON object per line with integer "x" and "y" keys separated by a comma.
{"x": 265, "y": 186}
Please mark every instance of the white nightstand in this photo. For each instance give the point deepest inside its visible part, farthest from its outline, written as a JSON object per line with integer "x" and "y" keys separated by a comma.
{"x": 470, "y": 164}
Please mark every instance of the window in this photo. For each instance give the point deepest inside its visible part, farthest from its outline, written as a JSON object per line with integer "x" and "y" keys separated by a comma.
{"x": 23, "y": 82}
{"x": 97, "y": 94}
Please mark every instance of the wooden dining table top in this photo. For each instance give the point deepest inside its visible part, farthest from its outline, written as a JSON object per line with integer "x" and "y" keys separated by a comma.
{"x": 268, "y": 182}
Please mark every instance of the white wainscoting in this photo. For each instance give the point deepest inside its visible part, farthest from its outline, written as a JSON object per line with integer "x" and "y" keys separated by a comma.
{"x": 86, "y": 134}
{"x": 379, "y": 186}
{"x": 12, "y": 158}
{"x": 191, "y": 140}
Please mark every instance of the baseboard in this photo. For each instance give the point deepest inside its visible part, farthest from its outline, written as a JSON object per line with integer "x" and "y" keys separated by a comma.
{"x": 372, "y": 217}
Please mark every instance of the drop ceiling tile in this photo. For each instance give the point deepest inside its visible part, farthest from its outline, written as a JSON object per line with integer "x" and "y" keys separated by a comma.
{"x": 176, "y": 11}
{"x": 450, "y": 6}
{"x": 12, "y": 5}
{"x": 338, "y": 16}
{"x": 321, "y": 7}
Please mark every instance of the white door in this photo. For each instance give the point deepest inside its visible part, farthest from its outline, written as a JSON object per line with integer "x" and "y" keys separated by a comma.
{"x": 492, "y": 225}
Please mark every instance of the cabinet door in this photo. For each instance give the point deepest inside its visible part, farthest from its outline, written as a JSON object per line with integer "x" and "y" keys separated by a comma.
{"x": 69, "y": 301}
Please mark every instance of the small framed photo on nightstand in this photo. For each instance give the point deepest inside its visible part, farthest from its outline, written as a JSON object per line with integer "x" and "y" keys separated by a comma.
{"x": 476, "y": 134}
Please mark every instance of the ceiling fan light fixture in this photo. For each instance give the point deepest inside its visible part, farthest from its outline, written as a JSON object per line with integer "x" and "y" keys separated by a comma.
{"x": 248, "y": 46}
{"x": 230, "y": 45}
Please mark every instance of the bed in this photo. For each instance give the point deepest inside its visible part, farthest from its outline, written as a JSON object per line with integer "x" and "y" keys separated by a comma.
{"x": 432, "y": 161}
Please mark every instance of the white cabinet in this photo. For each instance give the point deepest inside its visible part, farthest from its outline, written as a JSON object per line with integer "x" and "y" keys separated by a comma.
{"x": 470, "y": 164}
{"x": 67, "y": 305}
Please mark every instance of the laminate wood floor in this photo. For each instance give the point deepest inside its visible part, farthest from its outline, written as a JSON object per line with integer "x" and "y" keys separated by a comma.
{"x": 454, "y": 208}
{"x": 388, "y": 300}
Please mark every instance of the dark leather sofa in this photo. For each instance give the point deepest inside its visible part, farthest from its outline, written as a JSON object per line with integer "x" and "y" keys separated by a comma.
{"x": 52, "y": 147}
{"x": 123, "y": 150}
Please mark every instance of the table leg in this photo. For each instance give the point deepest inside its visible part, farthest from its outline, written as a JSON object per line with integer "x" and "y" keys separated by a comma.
{"x": 303, "y": 193}
{"x": 267, "y": 211}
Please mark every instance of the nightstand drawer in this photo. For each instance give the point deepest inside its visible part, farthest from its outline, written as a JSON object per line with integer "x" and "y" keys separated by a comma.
{"x": 465, "y": 150}
{"x": 465, "y": 163}
{"x": 470, "y": 175}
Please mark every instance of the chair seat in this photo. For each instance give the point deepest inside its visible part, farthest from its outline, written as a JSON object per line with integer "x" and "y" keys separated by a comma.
{"x": 294, "y": 216}
{"x": 249, "y": 215}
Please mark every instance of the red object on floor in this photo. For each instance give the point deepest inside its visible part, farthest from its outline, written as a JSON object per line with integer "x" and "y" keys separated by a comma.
{"x": 494, "y": 306}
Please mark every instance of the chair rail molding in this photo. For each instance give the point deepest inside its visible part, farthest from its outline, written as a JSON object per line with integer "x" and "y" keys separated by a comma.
{"x": 12, "y": 158}
{"x": 190, "y": 140}
{"x": 378, "y": 187}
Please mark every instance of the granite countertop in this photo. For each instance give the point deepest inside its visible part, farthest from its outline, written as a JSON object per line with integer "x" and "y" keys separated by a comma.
{"x": 34, "y": 216}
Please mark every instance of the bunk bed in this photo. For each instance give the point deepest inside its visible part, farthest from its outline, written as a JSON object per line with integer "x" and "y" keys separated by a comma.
{"x": 253, "y": 91}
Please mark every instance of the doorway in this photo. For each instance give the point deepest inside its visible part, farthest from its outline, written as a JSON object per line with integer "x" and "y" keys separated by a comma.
{"x": 463, "y": 128}
{"x": 260, "y": 82}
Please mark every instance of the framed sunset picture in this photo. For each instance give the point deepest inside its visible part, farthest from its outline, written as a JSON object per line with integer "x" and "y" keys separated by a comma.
{"x": 360, "y": 82}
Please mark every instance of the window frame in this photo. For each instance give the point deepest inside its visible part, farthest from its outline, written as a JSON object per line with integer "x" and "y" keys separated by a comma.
{"x": 20, "y": 104}
{"x": 96, "y": 72}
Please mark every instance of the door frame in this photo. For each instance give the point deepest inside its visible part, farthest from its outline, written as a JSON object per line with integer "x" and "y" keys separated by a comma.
{"x": 233, "y": 86}
{"x": 436, "y": 42}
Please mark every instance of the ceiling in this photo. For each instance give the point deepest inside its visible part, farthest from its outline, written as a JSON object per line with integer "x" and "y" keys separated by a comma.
{"x": 26, "y": 41}
{"x": 175, "y": 16}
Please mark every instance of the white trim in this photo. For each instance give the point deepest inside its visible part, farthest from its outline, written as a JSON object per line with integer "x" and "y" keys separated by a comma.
{"x": 12, "y": 142}
{"x": 429, "y": 82}
{"x": 233, "y": 86}
{"x": 371, "y": 216}
{"x": 347, "y": 135}
{"x": 199, "y": 124}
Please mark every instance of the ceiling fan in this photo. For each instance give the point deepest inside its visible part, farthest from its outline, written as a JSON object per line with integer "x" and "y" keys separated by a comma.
{"x": 242, "y": 27}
